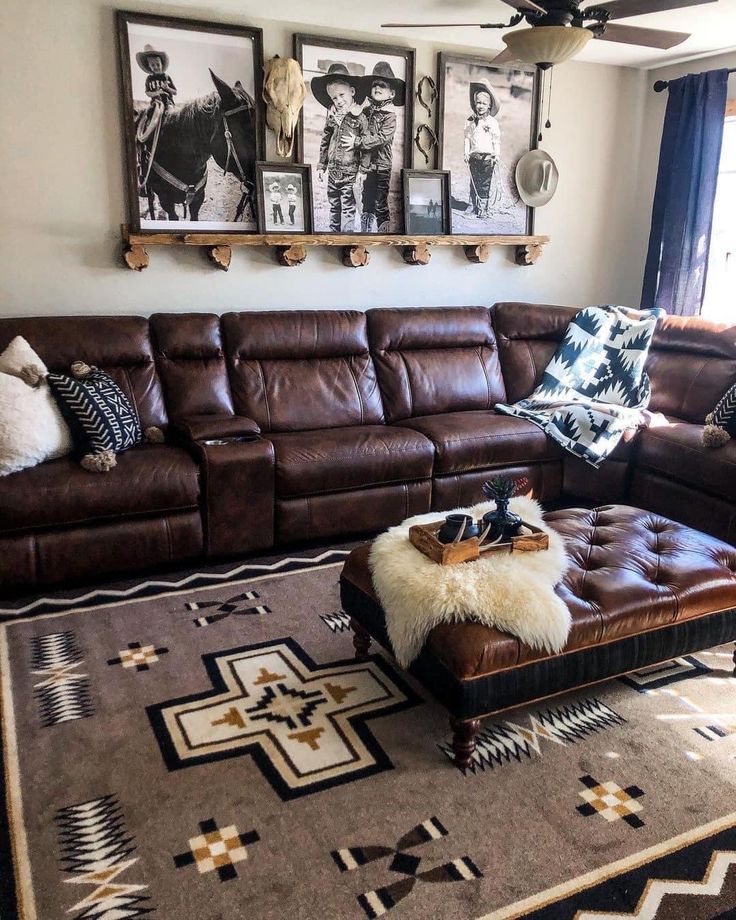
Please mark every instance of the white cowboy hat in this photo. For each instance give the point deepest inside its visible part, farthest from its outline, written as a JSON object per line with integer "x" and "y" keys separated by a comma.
{"x": 290, "y": 188}
{"x": 274, "y": 187}
{"x": 536, "y": 178}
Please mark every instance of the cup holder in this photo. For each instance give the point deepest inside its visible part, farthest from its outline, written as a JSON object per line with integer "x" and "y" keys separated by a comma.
{"x": 218, "y": 442}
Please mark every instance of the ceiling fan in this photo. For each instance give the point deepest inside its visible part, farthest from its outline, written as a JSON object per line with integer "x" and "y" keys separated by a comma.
{"x": 558, "y": 29}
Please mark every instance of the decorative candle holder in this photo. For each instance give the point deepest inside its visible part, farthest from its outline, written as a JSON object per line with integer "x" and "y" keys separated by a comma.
{"x": 502, "y": 522}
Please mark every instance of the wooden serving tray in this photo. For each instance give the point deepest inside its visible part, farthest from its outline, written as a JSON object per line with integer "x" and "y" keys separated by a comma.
{"x": 424, "y": 538}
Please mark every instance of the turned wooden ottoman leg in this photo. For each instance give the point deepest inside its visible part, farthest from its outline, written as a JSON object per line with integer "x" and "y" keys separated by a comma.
{"x": 463, "y": 741}
{"x": 361, "y": 640}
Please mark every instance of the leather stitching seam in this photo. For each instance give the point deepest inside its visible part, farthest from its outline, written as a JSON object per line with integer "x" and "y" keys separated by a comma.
{"x": 354, "y": 377}
{"x": 479, "y": 353}
{"x": 692, "y": 383}
{"x": 408, "y": 385}
{"x": 265, "y": 394}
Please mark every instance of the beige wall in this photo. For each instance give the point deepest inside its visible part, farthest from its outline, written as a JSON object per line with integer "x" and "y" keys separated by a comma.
{"x": 63, "y": 192}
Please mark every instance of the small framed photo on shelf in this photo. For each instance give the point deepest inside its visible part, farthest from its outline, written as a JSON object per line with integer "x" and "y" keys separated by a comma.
{"x": 284, "y": 196}
{"x": 426, "y": 202}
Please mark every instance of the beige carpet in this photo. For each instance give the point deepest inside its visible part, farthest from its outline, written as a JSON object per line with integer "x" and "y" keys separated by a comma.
{"x": 206, "y": 748}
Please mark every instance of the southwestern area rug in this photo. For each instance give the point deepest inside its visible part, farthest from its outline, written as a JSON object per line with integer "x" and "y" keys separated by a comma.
{"x": 204, "y": 746}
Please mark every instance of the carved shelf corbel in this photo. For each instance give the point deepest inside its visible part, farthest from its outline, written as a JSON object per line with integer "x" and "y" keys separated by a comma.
{"x": 135, "y": 256}
{"x": 220, "y": 256}
{"x": 291, "y": 255}
{"x": 528, "y": 254}
{"x": 416, "y": 255}
{"x": 478, "y": 254}
{"x": 355, "y": 256}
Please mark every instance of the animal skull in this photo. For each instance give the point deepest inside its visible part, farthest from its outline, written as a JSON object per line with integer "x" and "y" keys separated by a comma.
{"x": 283, "y": 92}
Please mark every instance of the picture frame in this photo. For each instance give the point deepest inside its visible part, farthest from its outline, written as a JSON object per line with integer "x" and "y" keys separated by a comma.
{"x": 483, "y": 195}
{"x": 185, "y": 85}
{"x": 426, "y": 191}
{"x": 357, "y": 190}
{"x": 284, "y": 198}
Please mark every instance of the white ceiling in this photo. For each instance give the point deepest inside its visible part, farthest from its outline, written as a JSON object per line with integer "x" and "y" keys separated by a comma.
{"x": 712, "y": 25}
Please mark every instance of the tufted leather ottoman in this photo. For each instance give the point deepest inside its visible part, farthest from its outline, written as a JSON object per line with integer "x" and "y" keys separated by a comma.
{"x": 641, "y": 589}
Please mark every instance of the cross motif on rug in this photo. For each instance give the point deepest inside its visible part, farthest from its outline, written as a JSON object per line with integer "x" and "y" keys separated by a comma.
{"x": 610, "y": 801}
{"x": 377, "y": 902}
{"x": 303, "y": 724}
{"x": 138, "y": 656}
{"x": 217, "y": 849}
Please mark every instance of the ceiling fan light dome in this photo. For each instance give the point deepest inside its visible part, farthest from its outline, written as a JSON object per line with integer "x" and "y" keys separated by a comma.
{"x": 548, "y": 45}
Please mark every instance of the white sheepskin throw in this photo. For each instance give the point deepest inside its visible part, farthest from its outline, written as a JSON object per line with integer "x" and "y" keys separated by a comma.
{"x": 31, "y": 426}
{"x": 513, "y": 592}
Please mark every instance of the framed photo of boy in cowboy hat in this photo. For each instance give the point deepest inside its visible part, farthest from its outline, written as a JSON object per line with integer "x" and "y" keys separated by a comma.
{"x": 284, "y": 195}
{"x": 356, "y": 129}
{"x": 487, "y": 120}
{"x": 193, "y": 123}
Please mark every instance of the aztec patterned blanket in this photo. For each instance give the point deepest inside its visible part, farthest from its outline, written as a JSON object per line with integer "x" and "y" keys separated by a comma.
{"x": 595, "y": 386}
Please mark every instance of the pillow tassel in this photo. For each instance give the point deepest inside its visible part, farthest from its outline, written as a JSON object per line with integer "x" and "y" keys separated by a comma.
{"x": 101, "y": 462}
{"x": 154, "y": 435}
{"x": 80, "y": 370}
{"x": 32, "y": 374}
{"x": 714, "y": 435}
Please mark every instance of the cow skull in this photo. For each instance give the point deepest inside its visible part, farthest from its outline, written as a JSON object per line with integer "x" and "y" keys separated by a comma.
{"x": 283, "y": 92}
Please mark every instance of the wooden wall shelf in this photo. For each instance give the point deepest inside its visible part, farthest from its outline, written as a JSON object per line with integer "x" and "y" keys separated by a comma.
{"x": 291, "y": 249}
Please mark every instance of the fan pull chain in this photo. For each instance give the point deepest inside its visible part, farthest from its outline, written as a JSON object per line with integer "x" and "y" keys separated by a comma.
{"x": 546, "y": 96}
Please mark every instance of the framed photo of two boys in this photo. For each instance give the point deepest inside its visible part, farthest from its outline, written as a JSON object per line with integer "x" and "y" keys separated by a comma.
{"x": 355, "y": 130}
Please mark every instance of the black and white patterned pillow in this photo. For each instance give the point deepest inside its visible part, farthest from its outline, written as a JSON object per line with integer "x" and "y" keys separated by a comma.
{"x": 99, "y": 414}
{"x": 720, "y": 425}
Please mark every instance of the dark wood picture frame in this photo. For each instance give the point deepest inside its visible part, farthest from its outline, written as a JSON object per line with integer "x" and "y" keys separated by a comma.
{"x": 444, "y": 58}
{"x": 123, "y": 20}
{"x": 305, "y": 172}
{"x": 378, "y": 48}
{"x": 444, "y": 175}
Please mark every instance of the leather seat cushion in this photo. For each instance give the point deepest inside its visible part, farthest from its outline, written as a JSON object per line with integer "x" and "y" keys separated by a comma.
{"x": 335, "y": 459}
{"x": 150, "y": 478}
{"x": 630, "y": 571}
{"x": 675, "y": 451}
{"x": 477, "y": 440}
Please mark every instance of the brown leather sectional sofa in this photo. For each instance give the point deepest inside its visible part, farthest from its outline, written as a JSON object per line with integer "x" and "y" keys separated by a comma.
{"x": 292, "y": 426}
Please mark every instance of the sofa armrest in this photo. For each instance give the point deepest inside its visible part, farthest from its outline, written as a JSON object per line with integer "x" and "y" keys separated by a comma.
{"x": 201, "y": 428}
{"x": 238, "y": 481}
{"x": 238, "y": 495}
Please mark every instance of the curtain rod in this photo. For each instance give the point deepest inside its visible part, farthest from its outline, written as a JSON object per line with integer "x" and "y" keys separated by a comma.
{"x": 662, "y": 85}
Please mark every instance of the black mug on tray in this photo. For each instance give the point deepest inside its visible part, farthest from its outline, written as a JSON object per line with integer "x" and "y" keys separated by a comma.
{"x": 458, "y": 527}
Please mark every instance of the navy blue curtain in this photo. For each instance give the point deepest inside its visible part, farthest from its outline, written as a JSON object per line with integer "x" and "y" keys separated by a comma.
{"x": 682, "y": 214}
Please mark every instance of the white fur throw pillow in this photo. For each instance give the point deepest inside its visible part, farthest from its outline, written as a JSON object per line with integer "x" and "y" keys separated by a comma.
{"x": 31, "y": 426}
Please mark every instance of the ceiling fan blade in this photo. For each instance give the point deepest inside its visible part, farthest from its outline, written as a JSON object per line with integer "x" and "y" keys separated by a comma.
{"x": 650, "y": 38}
{"x": 505, "y": 57}
{"x": 432, "y": 25}
{"x": 525, "y": 5}
{"x": 620, "y": 9}
{"x": 518, "y": 5}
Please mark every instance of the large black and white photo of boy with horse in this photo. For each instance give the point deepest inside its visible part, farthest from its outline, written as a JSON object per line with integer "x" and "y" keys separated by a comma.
{"x": 487, "y": 122}
{"x": 355, "y": 129}
{"x": 193, "y": 127}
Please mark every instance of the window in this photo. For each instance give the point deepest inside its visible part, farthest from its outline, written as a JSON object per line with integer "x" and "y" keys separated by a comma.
{"x": 719, "y": 303}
